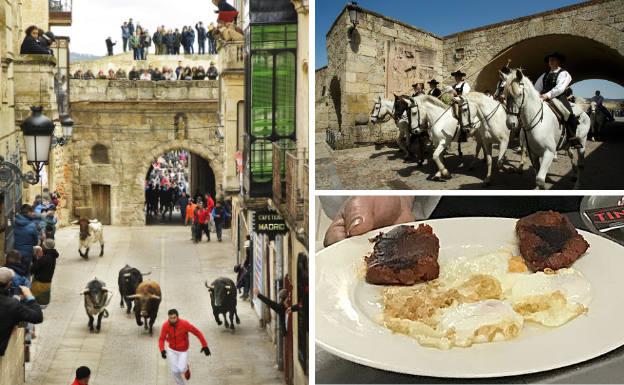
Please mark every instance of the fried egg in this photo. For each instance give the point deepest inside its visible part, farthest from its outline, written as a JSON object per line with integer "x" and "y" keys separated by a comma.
{"x": 484, "y": 298}
{"x": 551, "y": 298}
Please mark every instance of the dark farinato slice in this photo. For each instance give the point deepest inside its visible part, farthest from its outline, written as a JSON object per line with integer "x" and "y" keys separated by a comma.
{"x": 404, "y": 256}
{"x": 549, "y": 240}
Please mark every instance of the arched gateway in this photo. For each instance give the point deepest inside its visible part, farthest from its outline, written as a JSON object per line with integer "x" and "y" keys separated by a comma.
{"x": 122, "y": 126}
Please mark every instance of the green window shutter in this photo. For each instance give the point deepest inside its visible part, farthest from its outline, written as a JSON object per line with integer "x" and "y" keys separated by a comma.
{"x": 285, "y": 93}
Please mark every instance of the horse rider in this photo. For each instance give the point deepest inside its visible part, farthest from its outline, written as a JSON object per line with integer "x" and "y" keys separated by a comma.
{"x": 460, "y": 88}
{"x": 419, "y": 89}
{"x": 552, "y": 85}
{"x": 434, "y": 91}
{"x": 598, "y": 99}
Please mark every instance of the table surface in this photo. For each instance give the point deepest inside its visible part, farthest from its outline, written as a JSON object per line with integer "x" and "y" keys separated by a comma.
{"x": 608, "y": 368}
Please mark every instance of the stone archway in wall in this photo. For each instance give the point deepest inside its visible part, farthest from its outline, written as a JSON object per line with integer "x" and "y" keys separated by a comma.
{"x": 593, "y": 50}
{"x": 214, "y": 160}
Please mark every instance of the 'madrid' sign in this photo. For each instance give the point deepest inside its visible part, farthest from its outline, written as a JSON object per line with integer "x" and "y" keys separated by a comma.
{"x": 269, "y": 222}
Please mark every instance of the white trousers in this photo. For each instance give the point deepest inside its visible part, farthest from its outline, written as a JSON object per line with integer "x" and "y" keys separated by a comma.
{"x": 178, "y": 364}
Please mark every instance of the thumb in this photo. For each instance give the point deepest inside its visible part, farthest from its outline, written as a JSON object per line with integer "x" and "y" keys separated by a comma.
{"x": 359, "y": 215}
{"x": 364, "y": 214}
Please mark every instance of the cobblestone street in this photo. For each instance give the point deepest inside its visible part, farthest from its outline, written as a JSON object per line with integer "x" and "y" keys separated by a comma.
{"x": 381, "y": 167}
{"x": 123, "y": 353}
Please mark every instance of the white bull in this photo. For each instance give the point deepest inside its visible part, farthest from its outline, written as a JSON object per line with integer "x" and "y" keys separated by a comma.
{"x": 91, "y": 231}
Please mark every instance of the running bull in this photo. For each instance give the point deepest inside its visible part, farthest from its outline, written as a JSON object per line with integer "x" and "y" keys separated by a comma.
{"x": 147, "y": 300}
{"x": 128, "y": 281}
{"x": 96, "y": 298}
{"x": 223, "y": 300}
{"x": 91, "y": 231}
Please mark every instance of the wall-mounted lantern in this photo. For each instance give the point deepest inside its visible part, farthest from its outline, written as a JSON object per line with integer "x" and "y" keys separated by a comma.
{"x": 354, "y": 16}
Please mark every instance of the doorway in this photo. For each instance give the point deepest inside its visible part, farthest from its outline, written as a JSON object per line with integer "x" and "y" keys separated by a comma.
{"x": 102, "y": 202}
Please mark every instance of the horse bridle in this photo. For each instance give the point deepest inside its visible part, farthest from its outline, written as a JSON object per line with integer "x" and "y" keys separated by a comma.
{"x": 377, "y": 107}
{"x": 533, "y": 123}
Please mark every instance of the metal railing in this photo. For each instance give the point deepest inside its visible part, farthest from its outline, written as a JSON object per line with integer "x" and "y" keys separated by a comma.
{"x": 60, "y": 5}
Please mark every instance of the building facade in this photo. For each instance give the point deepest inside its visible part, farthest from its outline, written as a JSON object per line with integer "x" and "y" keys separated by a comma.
{"x": 25, "y": 81}
{"x": 272, "y": 169}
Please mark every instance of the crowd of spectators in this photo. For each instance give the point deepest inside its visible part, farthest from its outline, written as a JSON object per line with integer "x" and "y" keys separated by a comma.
{"x": 28, "y": 269}
{"x": 166, "y": 41}
{"x": 153, "y": 73}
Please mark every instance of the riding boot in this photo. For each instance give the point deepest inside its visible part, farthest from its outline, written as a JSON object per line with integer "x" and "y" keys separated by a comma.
{"x": 571, "y": 126}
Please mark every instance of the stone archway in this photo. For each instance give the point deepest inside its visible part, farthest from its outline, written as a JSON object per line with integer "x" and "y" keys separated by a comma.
{"x": 587, "y": 59}
{"x": 143, "y": 164}
{"x": 527, "y": 43}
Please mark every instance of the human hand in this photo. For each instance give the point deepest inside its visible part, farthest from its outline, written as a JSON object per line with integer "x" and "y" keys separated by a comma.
{"x": 205, "y": 350}
{"x": 544, "y": 97}
{"x": 361, "y": 214}
{"x": 163, "y": 354}
{"x": 256, "y": 291}
{"x": 25, "y": 291}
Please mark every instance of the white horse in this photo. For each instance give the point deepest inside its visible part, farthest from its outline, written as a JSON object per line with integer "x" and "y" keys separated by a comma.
{"x": 541, "y": 130}
{"x": 487, "y": 116}
{"x": 430, "y": 113}
{"x": 385, "y": 107}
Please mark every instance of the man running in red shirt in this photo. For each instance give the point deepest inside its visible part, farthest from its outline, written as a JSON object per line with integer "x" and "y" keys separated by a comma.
{"x": 175, "y": 330}
{"x": 82, "y": 376}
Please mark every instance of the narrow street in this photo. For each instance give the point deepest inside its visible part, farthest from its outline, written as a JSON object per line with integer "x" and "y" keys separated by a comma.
{"x": 123, "y": 353}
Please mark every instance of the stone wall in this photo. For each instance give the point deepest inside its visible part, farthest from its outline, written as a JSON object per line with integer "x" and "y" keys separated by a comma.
{"x": 12, "y": 363}
{"x": 379, "y": 58}
{"x": 591, "y": 34}
{"x": 322, "y": 101}
{"x": 34, "y": 86}
{"x": 136, "y": 121}
{"x": 232, "y": 92}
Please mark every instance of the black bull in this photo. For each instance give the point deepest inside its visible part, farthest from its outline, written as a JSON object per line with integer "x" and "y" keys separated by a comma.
{"x": 128, "y": 281}
{"x": 223, "y": 300}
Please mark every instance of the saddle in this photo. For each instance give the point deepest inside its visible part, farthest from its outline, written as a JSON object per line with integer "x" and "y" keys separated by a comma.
{"x": 561, "y": 112}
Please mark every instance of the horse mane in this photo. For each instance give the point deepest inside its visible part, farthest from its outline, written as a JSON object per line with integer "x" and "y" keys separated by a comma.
{"x": 433, "y": 100}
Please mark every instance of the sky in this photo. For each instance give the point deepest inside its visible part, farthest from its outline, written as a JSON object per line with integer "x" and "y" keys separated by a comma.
{"x": 95, "y": 20}
{"x": 446, "y": 17}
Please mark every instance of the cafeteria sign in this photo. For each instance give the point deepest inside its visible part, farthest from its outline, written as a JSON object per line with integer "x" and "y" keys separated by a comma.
{"x": 269, "y": 222}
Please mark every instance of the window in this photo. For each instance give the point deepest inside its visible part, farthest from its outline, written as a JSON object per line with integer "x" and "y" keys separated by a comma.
{"x": 273, "y": 63}
{"x": 99, "y": 154}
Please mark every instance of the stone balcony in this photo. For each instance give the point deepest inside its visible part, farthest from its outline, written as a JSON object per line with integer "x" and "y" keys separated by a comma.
{"x": 34, "y": 85}
{"x": 232, "y": 57}
{"x": 96, "y": 90}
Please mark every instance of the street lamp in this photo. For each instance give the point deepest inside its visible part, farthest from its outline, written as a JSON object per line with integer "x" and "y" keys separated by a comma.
{"x": 67, "y": 124}
{"x": 354, "y": 15}
{"x": 37, "y": 130}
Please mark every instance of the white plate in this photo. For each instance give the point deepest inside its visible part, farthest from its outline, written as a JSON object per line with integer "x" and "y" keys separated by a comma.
{"x": 347, "y": 309}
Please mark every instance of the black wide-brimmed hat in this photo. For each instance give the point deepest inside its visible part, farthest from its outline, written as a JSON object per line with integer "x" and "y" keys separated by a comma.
{"x": 557, "y": 55}
{"x": 458, "y": 73}
{"x": 433, "y": 81}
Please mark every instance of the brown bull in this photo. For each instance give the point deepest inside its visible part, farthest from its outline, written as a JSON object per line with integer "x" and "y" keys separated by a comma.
{"x": 146, "y": 302}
